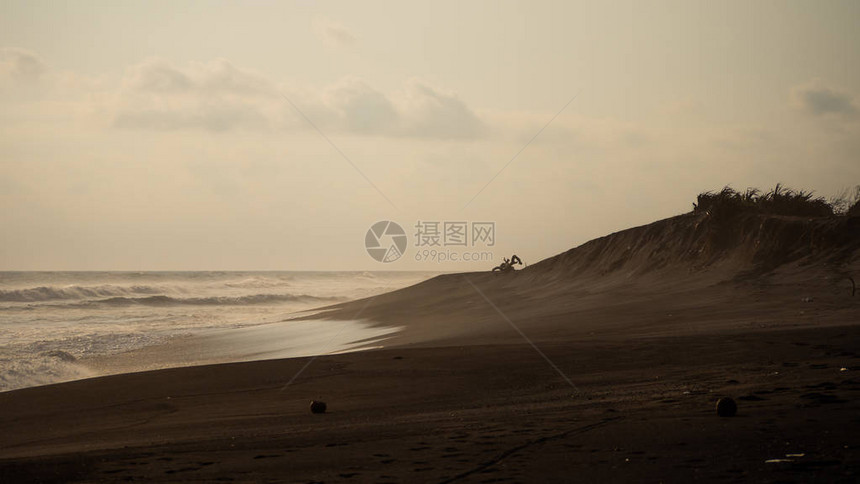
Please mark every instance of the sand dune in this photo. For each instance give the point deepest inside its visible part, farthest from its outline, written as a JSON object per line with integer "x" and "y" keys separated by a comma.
{"x": 686, "y": 274}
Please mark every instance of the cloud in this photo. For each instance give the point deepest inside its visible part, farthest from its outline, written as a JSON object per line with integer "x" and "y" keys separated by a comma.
{"x": 214, "y": 96}
{"x": 356, "y": 107}
{"x": 333, "y": 33}
{"x": 218, "y": 96}
{"x": 818, "y": 99}
{"x": 434, "y": 113}
{"x": 215, "y": 117}
{"x": 156, "y": 75}
{"x": 218, "y": 77}
{"x": 418, "y": 110}
{"x": 20, "y": 65}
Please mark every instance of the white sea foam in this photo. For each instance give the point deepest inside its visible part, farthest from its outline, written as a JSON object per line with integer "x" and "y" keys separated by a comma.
{"x": 52, "y": 324}
{"x": 285, "y": 339}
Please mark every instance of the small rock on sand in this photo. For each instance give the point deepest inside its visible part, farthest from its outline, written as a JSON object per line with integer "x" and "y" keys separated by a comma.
{"x": 318, "y": 406}
{"x": 726, "y": 407}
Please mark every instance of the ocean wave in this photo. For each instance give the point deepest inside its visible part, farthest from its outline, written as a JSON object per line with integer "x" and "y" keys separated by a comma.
{"x": 257, "y": 283}
{"x": 162, "y": 300}
{"x": 52, "y": 293}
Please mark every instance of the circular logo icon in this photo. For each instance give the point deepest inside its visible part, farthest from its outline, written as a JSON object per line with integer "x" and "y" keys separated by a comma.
{"x": 385, "y": 241}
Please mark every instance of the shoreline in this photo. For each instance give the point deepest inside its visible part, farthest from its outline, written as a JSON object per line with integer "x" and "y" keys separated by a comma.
{"x": 290, "y": 338}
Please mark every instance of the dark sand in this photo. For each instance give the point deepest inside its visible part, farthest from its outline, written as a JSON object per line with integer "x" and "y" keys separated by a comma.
{"x": 638, "y": 361}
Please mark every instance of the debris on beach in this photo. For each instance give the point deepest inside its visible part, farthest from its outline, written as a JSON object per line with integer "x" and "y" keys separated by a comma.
{"x": 318, "y": 406}
{"x": 726, "y": 407}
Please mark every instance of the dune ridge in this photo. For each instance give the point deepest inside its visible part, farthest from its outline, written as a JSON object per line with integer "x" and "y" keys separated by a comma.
{"x": 695, "y": 264}
{"x": 749, "y": 242}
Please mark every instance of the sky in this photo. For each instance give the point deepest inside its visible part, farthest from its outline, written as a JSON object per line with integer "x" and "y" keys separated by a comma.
{"x": 272, "y": 135}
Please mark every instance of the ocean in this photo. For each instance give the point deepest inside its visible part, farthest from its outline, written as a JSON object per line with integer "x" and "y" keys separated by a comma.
{"x": 53, "y": 323}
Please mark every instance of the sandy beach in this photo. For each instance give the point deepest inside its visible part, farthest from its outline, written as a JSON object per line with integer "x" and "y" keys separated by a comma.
{"x": 562, "y": 372}
{"x": 640, "y": 411}
{"x": 553, "y": 241}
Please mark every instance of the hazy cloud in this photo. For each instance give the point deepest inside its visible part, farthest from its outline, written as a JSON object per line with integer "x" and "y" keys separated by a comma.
{"x": 418, "y": 110}
{"x": 819, "y": 99}
{"x": 212, "y": 117}
{"x": 215, "y": 77}
{"x": 359, "y": 108}
{"x": 434, "y": 113}
{"x": 156, "y": 75}
{"x": 333, "y": 33}
{"x": 214, "y": 96}
{"x": 219, "y": 96}
{"x": 20, "y": 65}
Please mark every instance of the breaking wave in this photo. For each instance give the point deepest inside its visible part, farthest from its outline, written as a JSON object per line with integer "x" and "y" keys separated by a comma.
{"x": 143, "y": 295}
{"x": 257, "y": 283}
{"x": 52, "y": 293}
{"x": 162, "y": 300}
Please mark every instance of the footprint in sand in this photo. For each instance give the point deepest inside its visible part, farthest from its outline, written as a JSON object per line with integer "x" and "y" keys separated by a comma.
{"x": 184, "y": 469}
{"x": 823, "y": 386}
{"x": 816, "y": 398}
{"x": 266, "y": 456}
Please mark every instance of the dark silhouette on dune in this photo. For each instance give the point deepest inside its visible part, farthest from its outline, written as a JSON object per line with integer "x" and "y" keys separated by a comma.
{"x": 507, "y": 265}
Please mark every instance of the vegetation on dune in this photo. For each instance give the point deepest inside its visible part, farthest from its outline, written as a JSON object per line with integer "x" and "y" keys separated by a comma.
{"x": 779, "y": 201}
{"x": 848, "y": 202}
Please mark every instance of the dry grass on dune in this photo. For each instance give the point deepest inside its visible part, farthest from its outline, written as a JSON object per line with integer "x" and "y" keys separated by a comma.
{"x": 749, "y": 231}
{"x": 778, "y": 201}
